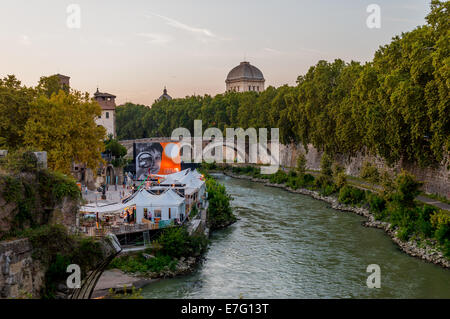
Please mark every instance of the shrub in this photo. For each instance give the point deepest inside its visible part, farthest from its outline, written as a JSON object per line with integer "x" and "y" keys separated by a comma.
{"x": 209, "y": 166}
{"x": 328, "y": 190}
{"x": 173, "y": 241}
{"x": 322, "y": 181}
{"x": 376, "y": 203}
{"x": 369, "y": 172}
{"x": 340, "y": 180}
{"x": 22, "y": 160}
{"x": 442, "y": 233}
{"x": 404, "y": 233}
{"x": 219, "y": 211}
{"x": 301, "y": 164}
{"x": 279, "y": 177}
{"x": 351, "y": 195}
{"x": 292, "y": 182}
{"x": 336, "y": 169}
{"x": 424, "y": 220}
{"x": 12, "y": 189}
{"x": 138, "y": 263}
{"x": 325, "y": 165}
{"x": 406, "y": 188}
{"x": 308, "y": 179}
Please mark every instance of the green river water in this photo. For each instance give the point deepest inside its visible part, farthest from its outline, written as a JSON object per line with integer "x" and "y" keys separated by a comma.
{"x": 288, "y": 245}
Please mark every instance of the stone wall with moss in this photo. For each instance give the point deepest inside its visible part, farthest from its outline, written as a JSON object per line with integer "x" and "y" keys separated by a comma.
{"x": 33, "y": 199}
{"x": 20, "y": 275}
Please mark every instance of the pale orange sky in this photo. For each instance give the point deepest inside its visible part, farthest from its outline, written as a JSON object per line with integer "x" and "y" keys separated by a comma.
{"x": 134, "y": 48}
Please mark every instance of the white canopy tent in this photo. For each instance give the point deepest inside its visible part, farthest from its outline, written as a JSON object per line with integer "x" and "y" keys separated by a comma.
{"x": 165, "y": 206}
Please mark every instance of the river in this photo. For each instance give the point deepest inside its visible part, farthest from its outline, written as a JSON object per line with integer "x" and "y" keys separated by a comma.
{"x": 289, "y": 245}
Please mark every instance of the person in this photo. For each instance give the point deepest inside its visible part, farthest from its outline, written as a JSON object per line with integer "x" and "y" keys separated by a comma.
{"x": 149, "y": 161}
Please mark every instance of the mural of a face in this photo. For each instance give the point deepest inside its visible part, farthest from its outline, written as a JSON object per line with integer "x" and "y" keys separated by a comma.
{"x": 150, "y": 160}
{"x": 155, "y": 158}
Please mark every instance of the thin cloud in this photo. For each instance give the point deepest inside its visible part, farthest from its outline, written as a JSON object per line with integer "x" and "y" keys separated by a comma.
{"x": 296, "y": 52}
{"x": 270, "y": 50}
{"x": 201, "y": 33}
{"x": 156, "y": 38}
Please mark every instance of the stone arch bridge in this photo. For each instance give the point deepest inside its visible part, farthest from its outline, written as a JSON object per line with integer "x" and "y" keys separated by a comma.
{"x": 230, "y": 150}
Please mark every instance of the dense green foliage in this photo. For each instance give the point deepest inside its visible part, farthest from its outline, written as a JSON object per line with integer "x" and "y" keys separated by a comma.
{"x": 220, "y": 213}
{"x": 173, "y": 243}
{"x": 369, "y": 172}
{"x": 57, "y": 249}
{"x": 33, "y": 192}
{"x": 52, "y": 119}
{"x": 137, "y": 263}
{"x": 395, "y": 106}
{"x": 116, "y": 151}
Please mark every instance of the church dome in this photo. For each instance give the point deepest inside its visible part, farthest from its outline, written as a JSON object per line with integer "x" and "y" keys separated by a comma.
{"x": 245, "y": 71}
{"x": 165, "y": 95}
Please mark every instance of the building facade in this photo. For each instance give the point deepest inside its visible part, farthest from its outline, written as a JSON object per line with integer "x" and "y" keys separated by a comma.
{"x": 245, "y": 77}
{"x": 108, "y": 117}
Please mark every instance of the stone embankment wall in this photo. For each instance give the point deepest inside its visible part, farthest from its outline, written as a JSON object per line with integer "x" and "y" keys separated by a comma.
{"x": 436, "y": 180}
{"x": 20, "y": 275}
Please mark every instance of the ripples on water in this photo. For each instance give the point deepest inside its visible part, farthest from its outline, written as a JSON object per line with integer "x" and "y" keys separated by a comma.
{"x": 291, "y": 246}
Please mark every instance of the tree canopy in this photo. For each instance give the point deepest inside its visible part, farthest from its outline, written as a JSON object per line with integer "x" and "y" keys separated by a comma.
{"x": 396, "y": 106}
{"x": 57, "y": 121}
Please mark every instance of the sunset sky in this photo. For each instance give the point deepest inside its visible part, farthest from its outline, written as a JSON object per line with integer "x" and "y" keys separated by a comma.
{"x": 134, "y": 48}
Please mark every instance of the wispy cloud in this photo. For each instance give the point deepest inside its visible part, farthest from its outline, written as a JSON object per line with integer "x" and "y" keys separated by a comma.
{"x": 156, "y": 38}
{"x": 201, "y": 33}
{"x": 270, "y": 50}
{"x": 295, "y": 52}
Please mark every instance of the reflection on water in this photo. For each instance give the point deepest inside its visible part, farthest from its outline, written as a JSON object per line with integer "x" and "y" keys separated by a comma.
{"x": 291, "y": 246}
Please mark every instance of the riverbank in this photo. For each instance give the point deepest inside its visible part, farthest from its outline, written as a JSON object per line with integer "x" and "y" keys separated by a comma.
{"x": 118, "y": 280}
{"x": 412, "y": 248}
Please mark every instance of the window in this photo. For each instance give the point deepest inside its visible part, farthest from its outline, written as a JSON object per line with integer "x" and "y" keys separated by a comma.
{"x": 257, "y": 88}
{"x": 107, "y": 115}
{"x": 254, "y": 89}
{"x": 170, "y": 215}
{"x": 249, "y": 88}
{"x": 157, "y": 213}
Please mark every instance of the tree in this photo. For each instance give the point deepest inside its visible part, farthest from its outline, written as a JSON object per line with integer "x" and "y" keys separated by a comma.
{"x": 64, "y": 126}
{"x": 301, "y": 164}
{"x": 116, "y": 149}
{"x": 15, "y": 102}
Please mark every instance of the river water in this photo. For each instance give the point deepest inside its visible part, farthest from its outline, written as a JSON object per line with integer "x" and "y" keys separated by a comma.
{"x": 289, "y": 245}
